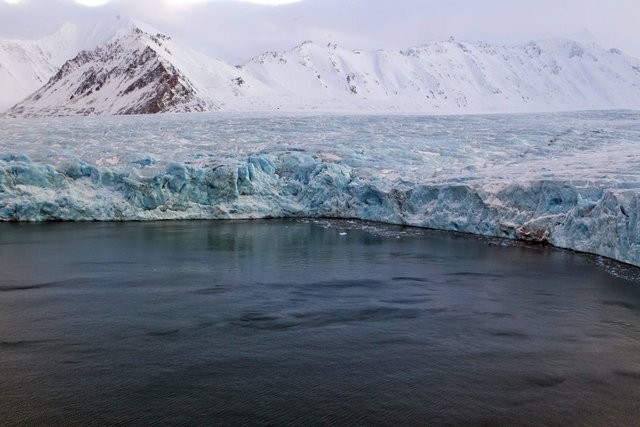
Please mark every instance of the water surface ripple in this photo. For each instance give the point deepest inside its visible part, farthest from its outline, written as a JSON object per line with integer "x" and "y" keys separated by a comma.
{"x": 309, "y": 322}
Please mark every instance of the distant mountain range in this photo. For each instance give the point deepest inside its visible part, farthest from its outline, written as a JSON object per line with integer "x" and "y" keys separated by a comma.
{"x": 130, "y": 68}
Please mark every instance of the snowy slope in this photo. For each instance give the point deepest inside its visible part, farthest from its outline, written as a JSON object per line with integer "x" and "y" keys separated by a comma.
{"x": 139, "y": 72}
{"x": 453, "y": 76}
{"x": 26, "y": 65}
{"x": 143, "y": 71}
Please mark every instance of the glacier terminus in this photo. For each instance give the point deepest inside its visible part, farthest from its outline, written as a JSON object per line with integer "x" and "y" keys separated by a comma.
{"x": 568, "y": 179}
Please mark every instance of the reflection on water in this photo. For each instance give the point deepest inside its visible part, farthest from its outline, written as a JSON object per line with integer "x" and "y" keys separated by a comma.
{"x": 297, "y": 322}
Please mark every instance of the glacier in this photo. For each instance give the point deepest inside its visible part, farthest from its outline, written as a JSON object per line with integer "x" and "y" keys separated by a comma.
{"x": 568, "y": 179}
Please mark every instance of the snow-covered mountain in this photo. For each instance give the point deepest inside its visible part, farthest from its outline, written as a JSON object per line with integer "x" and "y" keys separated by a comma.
{"x": 126, "y": 76}
{"x": 453, "y": 76}
{"x": 140, "y": 72}
{"x": 26, "y": 65}
{"x": 143, "y": 71}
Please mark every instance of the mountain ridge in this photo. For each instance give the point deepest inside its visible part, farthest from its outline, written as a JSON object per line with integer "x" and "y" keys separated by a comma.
{"x": 448, "y": 76}
{"x": 26, "y": 65}
{"x": 110, "y": 78}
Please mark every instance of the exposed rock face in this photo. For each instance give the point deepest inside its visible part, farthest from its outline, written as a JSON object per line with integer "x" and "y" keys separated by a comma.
{"x": 162, "y": 89}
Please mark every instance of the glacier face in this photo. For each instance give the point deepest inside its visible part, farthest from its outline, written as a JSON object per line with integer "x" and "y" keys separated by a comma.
{"x": 569, "y": 179}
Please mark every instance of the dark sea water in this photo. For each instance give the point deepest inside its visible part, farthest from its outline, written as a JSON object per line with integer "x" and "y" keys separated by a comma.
{"x": 298, "y": 323}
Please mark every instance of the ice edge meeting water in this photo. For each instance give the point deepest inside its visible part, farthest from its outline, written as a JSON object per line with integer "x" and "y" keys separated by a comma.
{"x": 568, "y": 179}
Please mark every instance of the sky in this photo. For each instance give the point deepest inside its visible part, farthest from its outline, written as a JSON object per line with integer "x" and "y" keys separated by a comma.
{"x": 235, "y": 30}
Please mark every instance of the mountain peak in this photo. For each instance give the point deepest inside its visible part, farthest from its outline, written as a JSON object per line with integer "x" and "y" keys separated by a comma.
{"x": 138, "y": 71}
{"x": 307, "y": 44}
{"x": 91, "y": 34}
{"x": 139, "y": 27}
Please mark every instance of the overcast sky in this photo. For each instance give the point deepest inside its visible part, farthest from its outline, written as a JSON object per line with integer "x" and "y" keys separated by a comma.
{"x": 235, "y": 30}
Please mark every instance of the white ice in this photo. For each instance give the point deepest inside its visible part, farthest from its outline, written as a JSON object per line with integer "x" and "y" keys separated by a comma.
{"x": 570, "y": 179}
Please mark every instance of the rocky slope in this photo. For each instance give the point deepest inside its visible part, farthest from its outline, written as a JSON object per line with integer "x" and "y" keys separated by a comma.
{"x": 26, "y": 65}
{"x": 137, "y": 73}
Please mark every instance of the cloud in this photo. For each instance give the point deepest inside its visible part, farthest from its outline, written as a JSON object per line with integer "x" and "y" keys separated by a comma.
{"x": 92, "y": 3}
{"x": 237, "y": 29}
